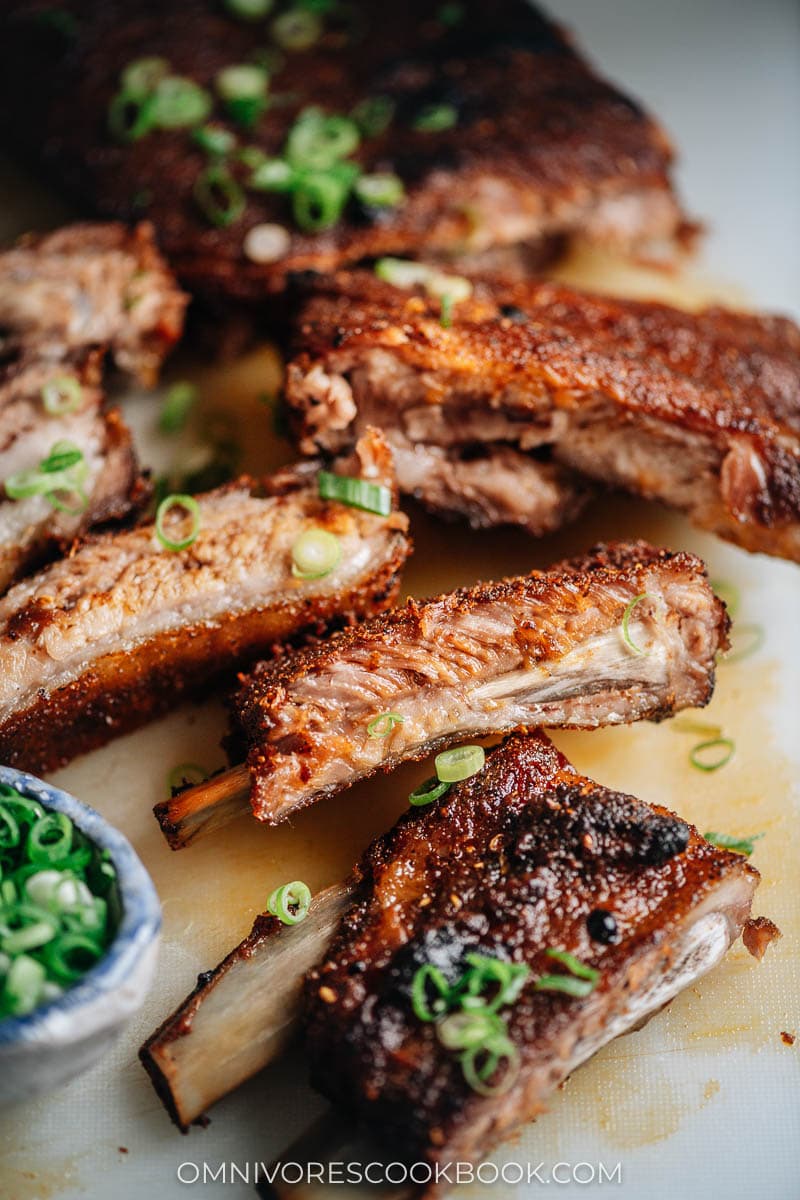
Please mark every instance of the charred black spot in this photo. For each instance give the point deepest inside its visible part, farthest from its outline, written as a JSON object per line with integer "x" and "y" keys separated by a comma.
{"x": 664, "y": 837}
{"x": 602, "y": 927}
{"x": 512, "y": 313}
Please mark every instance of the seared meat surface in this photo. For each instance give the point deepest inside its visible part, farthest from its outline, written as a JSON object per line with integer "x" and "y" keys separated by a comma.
{"x": 99, "y": 642}
{"x": 547, "y": 648}
{"x": 701, "y": 411}
{"x": 525, "y": 857}
{"x": 499, "y": 131}
{"x": 65, "y": 299}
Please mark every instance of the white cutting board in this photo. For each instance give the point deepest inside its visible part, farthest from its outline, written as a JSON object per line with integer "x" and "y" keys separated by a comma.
{"x": 704, "y": 1101}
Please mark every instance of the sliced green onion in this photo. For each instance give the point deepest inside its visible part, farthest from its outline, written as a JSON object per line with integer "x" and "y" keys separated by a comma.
{"x": 22, "y": 986}
{"x": 272, "y": 175}
{"x": 712, "y": 754}
{"x": 215, "y": 140}
{"x": 50, "y": 839}
{"x": 427, "y": 792}
{"x": 567, "y": 984}
{"x": 317, "y": 141}
{"x": 180, "y": 102}
{"x": 468, "y": 1030}
{"x": 296, "y": 29}
{"x": 426, "y": 979}
{"x": 626, "y": 617}
{"x": 190, "y": 506}
{"x": 63, "y": 472}
{"x": 130, "y": 117}
{"x": 143, "y": 75}
{"x": 382, "y": 725}
{"x": 318, "y": 201}
{"x": 25, "y": 927}
{"x": 186, "y": 775}
{"x": 373, "y": 116}
{"x": 249, "y": 10}
{"x": 725, "y": 841}
{"x": 574, "y": 965}
{"x": 435, "y": 118}
{"x": 70, "y": 955}
{"x": 728, "y": 593}
{"x": 9, "y": 829}
{"x": 380, "y": 191}
{"x": 243, "y": 89}
{"x": 178, "y": 403}
{"x": 315, "y": 554}
{"x": 290, "y": 902}
{"x": 356, "y": 493}
{"x": 688, "y": 725}
{"x": 753, "y": 636}
{"x": 62, "y": 395}
{"x": 456, "y": 287}
{"x": 401, "y": 272}
{"x": 484, "y": 972}
{"x": 477, "y": 1074}
{"x": 459, "y": 763}
{"x": 446, "y": 317}
{"x": 219, "y": 196}
{"x": 26, "y": 812}
{"x": 267, "y": 243}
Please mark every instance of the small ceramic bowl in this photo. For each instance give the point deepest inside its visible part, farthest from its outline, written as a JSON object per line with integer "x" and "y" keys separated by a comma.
{"x": 65, "y": 1036}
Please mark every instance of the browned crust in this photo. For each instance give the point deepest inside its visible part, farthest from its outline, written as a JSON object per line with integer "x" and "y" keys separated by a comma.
{"x": 511, "y": 861}
{"x": 534, "y": 116}
{"x": 731, "y": 378}
{"x": 124, "y": 690}
{"x": 758, "y": 935}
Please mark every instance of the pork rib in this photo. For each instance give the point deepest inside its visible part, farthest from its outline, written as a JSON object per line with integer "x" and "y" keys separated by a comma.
{"x": 699, "y": 410}
{"x": 547, "y": 648}
{"x": 98, "y": 643}
{"x": 539, "y": 149}
{"x": 65, "y": 299}
{"x": 524, "y": 857}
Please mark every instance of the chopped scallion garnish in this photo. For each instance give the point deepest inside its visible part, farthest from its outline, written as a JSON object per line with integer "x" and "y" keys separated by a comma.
{"x": 380, "y": 190}
{"x": 178, "y": 403}
{"x": 191, "y": 508}
{"x": 219, "y": 196}
{"x": 290, "y": 903}
{"x": 725, "y": 841}
{"x": 272, "y": 175}
{"x": 317, "y": 141}
{"x": 318, "y": 201}
{"x": 729, "y": 593}
{"x": 459, "y": 763}
{"x": 427, "y": 792}
{"x": 581, "y": 980}
{"x": 250, "y": 10}
{"x": 712, "y": 754}
{"x": 243, "y": 89}
{"x": 373, "y": 115}
{"x": 142, "y": 76}
{"x": 131, "y": 117}
{"x": 215, "y": 140}
{"x": 266, "y": 243}
{"x": 62, "y": 395}
{"x": 357, "y": 493}
{"x": 62, "y": 474}
{"x": 626, "y": 618}
{"x": 315, "y": 554}
{"x": 180, "y": 102}
{"x": 748, "y": 638}
{"x": 382, "y": 725}
{"x": 436, "y": 118}
{"x": 296, "y": 29}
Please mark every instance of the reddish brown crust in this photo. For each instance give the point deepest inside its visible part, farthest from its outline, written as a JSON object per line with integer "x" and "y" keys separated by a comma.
{"x": 124, "y": 691}
{"x": 510, "y": 862}
{"x": 533, "y": 116}
{"x": 733, "y": 379}
{"x": 759, "y": 934}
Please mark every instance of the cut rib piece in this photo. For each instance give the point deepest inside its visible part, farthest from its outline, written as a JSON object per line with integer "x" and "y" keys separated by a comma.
{"x": 242, "y": 1014}
{"x": 102, "y": 641}
{"x": 547, "y": 648}
{"x": 66, "y": 298}
{"x": 524, "y": 857}
{"x": 699, "y": 410}
{"x": 499, "y": 131}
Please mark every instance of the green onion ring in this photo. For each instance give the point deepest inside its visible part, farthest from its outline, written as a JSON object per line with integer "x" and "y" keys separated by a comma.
{"x": 574, "y": 965}
{"x": 61, "y": 395}
{"x": 192, "y": 508}
{"x": 178, "y": 403}
{"x": 9, "y": 828}
{"x": 219, "y": 196}
{"x": 249, "y": 10}
{"x": 318, "y": 201}
{"x": 357, "y": 493}
{"x": 296, "y": 29}
{"x": 215, "y": 140}
{"x": 179, "y": 102}
{"x": 383, "y": 190}
{"x": 317, "y": 141}
{"x": 728, "y": 593}
{"x": 382, "y": 725}
{"x": 468, "y": 1030}
{"x": 373, "y": 115}
{"x": 567, "y": 984}
{"x": 315, "y": 553}
{"x": 25, "y": 927}
{"x": 22, "y": 987}
{"x": 755, "y": 636}
{"x": 698, "y": 759}
{"x": 626, "y": 617}
{"x": 435, "y": 118}
{"x": 290, "y": 902}
{"x": 427, "y": 792}
{"x": 131, "y": 117}
{"x": 429, "y": 976}
{"x": 462, "y": 762}
{"x": 477, "y": 1076}
{"x": 59, "y": 956}
{"x": 50, "y": 839}
{"x": 142, "y": 76}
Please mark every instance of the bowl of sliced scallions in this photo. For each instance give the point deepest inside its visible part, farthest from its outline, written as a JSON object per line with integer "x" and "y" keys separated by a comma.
{"x": 79, "y": 928}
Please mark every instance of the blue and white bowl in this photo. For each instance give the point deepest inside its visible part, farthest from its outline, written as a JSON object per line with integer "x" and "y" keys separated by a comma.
{"x": 63, "y": 1037}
